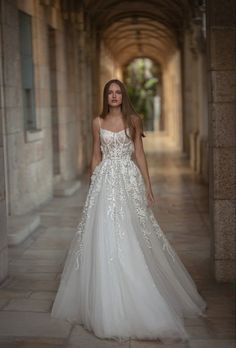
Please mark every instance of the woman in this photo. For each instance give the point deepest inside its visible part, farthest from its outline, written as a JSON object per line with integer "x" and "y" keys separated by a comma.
{"x": 122, "y": 279}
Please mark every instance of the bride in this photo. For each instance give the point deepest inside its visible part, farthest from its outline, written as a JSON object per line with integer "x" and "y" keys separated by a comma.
{"x": 122, "y": 279}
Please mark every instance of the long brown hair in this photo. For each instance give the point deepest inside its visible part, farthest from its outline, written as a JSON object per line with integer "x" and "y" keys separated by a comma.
{"x": 127, "y": 108}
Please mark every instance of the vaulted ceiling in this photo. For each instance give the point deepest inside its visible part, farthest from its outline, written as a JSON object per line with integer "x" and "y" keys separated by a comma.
{"x": 148, "y": 28}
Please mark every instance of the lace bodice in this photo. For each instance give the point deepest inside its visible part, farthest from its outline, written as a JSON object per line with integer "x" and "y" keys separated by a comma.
{"x": 116, "y": 145}
{"x": 118, "y": 180}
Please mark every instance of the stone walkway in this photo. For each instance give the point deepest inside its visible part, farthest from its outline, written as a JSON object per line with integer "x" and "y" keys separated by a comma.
{"x": 182, "y": 209}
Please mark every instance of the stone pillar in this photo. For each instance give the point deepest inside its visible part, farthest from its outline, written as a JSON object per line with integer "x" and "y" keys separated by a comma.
{"x": 195, "y": 111}
{"x": 202, "y": 140}
{"x": 221, "y": 36}
{"x": 200, "y": 96}
{"x": 95, "y": 65}
{"x": 84, "y": 102}
{"x": 172, "y": 86}
{"x": 188, "y": 76}
{"x": 89, "y": 88}
{"x": 109, "y": 68}
{"x": 3, "y": 213}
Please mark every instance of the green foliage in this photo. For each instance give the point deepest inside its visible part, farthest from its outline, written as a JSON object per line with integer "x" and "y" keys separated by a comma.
{"x": 142, "y": 80}
{"x": 151, "y": 83}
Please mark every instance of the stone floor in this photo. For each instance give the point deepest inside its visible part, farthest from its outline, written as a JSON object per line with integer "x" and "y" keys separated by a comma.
{"x": 182, "y": 210}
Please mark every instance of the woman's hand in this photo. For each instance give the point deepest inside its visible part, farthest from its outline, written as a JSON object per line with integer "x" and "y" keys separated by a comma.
{"x": 150, "y": 196}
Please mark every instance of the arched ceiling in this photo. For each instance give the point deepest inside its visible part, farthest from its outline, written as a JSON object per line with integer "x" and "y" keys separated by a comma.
{"x": 148, "y": 28}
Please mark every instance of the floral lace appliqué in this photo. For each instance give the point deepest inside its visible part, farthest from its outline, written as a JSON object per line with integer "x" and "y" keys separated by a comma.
{"x": 119, "y": 177}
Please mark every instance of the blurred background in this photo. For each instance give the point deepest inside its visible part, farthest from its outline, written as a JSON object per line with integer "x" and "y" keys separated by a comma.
{"x": 177, "y": 59}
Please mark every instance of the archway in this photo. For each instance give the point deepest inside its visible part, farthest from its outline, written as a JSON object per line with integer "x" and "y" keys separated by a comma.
{"x": 142, "y": 77}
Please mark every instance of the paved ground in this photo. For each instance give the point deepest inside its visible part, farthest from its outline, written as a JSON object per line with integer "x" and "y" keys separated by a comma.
{"x": 182, "y": 210}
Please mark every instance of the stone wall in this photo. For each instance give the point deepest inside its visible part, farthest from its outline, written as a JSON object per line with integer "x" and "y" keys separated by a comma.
{"x": 195, "y": 91}
{"x": 3, "y": 184}
{"x": 221, "y": 30}
{"x": 31, "y": 154}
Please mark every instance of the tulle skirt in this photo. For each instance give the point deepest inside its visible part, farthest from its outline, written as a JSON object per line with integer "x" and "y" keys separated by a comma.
{"x": 122, "y": 279}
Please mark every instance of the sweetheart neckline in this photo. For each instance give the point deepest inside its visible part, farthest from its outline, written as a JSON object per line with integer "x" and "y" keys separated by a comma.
{"x": 122, "y": 130}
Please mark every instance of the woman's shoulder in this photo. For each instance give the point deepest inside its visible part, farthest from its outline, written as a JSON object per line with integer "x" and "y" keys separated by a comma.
{"x": 136, "y": 120}
{"x": 96, "y": 122}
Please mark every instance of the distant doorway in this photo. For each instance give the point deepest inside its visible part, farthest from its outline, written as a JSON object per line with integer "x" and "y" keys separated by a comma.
{"x": 143, "y": 80}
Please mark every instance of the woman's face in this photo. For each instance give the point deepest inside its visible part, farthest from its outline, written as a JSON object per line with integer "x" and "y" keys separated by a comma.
{"x": 114, "y": 95}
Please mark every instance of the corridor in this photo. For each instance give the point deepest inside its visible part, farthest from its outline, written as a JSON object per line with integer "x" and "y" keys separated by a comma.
{"x": 181, "y": 208}
{"x": 177, "y": 61}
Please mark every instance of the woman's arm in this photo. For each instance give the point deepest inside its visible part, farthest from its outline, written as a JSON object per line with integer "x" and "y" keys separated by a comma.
{"x": 141, "y": 159}
{"x": 96, "y": 150}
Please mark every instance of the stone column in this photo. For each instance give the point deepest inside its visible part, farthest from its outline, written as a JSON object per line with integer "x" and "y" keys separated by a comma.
{"x": 202, "y": 140}
{"x": 172, "y": 100}
{"x": 193, "y": 93}
{"x": 195, "y": 111}
{"x": 89, "y": 88}
{"x": 189, "y": 107}
{"x": 200, "y": 96}
{"x": 82, "y": 62}
{"x": 221, "y": 36}
{"x": 95, "y": 66}
{"x": 3, "y": 213}
{"x": 88, "y": 66}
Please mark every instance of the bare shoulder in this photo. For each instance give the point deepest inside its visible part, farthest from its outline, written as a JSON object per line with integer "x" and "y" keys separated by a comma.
{"x": 96, "y": 122}
{"x": 136, "y": 121}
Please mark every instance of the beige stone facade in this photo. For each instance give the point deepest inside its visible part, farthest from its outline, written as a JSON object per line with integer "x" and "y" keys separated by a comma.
{"x": 76, "y": 48}
{"x": 222, "y": 134}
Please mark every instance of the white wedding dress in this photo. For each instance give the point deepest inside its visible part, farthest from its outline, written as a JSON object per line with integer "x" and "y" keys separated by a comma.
{"x": 122, "y": 279}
